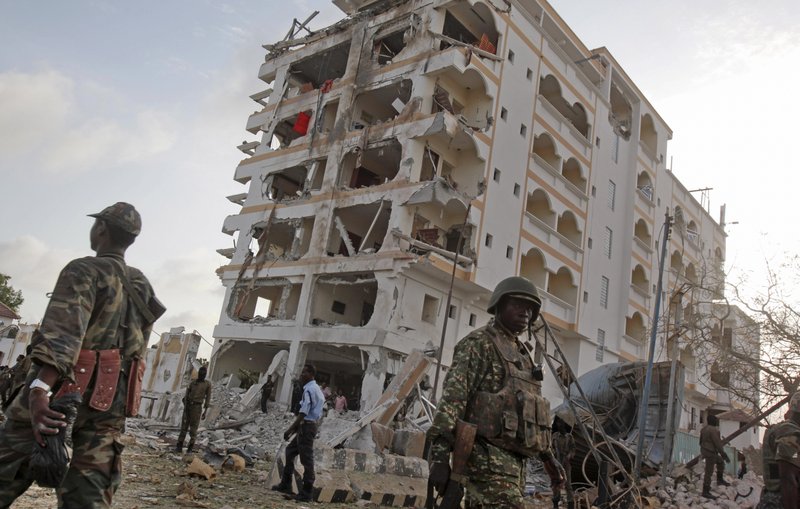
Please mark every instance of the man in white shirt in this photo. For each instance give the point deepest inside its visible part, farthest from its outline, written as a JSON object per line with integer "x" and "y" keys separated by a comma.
{"x": 304, "y": 429}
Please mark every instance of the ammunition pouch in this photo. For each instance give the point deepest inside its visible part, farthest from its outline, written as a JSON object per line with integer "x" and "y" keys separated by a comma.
{"x": 105, "y": 366}
{"x": 518, "y": 423}
{"x": 135, "y": 377}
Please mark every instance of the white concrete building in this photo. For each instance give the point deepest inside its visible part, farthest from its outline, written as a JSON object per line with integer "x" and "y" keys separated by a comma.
{"x": 384, "y": 139}
{"x": 14, "y": 339}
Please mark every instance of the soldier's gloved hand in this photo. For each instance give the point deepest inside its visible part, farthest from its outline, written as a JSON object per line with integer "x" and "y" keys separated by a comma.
{"x": 726, "y": 458}
{"x": 554, "y": 470}
{"x": 439, "y": 475}
{"x": 44, "y": 420}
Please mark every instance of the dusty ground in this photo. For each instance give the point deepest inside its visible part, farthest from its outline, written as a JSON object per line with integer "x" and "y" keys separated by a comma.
{"x": 152, "y": 479}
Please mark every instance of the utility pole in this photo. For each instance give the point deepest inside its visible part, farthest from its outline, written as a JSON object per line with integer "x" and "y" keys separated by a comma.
{"x": 447, "y": 306}
{"x": 645, "y": 401}
{"x": 669, "y": 438}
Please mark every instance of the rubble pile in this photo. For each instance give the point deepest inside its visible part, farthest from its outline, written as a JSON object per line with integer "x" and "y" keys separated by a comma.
{"x": 235, "y": 423}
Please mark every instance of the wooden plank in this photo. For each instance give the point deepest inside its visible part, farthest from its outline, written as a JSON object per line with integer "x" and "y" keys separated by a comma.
{"x": 363, "y": 421}
{"x": 403, "y": 383}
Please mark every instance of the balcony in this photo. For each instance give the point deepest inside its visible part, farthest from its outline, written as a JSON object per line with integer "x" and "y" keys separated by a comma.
{"x": 564, "y": 127}
{"x": 565, "y": 66}
{"x": 641, "y": 249}
{"x": 455, "y": 58}
{"x": 540, "y": 230}
{"x": 646, "y": 153}
{"x": 632, "y": 346}
{"x": 557, "y": 308}
{"x": 644, "y": 201}
{"x": 640, "y": 296}
{"x": 559, "y": 183}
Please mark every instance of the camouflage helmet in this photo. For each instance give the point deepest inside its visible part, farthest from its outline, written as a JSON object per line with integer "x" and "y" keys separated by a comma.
{"x": 794, "y": 402}
{"x": 515, "y": 286}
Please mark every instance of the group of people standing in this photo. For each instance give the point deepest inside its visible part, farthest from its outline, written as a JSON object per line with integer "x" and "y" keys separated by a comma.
{"x": 94, "y": 333}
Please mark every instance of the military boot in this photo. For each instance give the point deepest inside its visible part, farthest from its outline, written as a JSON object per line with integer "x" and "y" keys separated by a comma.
{"x": 179, "y": 447}
{"x": 190, "y": 448}
{"x": 306, "y": 493}
{"x": 707, "y": 494}
{"x": 720, "y": 480}
{"x": 285, "y": 486}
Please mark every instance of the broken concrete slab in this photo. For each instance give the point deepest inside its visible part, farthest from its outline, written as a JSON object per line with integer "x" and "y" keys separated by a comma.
{"x": 409, "y": 442}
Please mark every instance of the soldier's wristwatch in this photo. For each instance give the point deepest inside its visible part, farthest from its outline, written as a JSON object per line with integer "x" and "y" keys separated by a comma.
{"x": 38, "y": 384}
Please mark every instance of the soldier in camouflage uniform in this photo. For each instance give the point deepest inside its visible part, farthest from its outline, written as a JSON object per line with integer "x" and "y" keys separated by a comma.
{"x": 713, "y": 452}
{"x": 780, "y": 452}
{"x": 199, "y": 390}
{"x": 17, "y": 375}
{"x": 92, "y": 330}
{"x": 485, "y": 365}
{"x": 564, "y": 449}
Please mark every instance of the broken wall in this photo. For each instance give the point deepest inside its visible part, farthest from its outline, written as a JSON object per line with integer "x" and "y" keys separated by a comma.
{"x": 169, "y": 363}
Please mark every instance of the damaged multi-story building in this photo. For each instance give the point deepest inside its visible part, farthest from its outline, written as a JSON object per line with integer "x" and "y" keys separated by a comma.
{"x": 416, "y": 139}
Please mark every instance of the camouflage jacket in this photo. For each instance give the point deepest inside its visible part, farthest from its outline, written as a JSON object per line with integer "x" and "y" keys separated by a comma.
{"x": 197, "y": 392}
{"x": 781, "y": 443}
{"x": 476, "y": 367}
{"x": 563, "y": 447}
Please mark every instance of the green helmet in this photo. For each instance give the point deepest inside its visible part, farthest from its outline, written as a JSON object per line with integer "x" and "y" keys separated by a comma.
{"x": 515, "y": 286}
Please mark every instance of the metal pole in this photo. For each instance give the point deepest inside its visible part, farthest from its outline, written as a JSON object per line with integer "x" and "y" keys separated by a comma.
{"x": 666, "y": 464}
{"x": 447, "y": 308}
{"x": 645, "y": 402}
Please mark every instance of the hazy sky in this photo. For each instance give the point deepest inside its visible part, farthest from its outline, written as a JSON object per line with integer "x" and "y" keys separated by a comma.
{"x": 146, "y": 101}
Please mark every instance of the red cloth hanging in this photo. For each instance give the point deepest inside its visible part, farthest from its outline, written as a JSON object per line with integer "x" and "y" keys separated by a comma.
{"x": 301, "y": 124}
{"x": 326, "y": 87}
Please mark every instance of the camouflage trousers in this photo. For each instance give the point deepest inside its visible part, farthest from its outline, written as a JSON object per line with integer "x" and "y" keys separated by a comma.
{"x": 95, "y": 471}
{"x": 190, "y": 421}
{"x": 496, "y": 478}
{"x": 770, "y": 500}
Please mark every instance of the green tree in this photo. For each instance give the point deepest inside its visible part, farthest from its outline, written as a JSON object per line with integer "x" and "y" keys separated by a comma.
{"x": 8, "y": 296}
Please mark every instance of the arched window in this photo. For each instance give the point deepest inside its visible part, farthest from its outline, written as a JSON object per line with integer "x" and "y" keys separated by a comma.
{"x": 639, "y": 279}
{"x": 676, "y": 263}
{"x": 635, "y": 328}
{"x": 544, "y": 147}
{"x": 645, "y": 185}
{"x": 572, "y": 171}
{"x": 648, "y": 135}
{"x": 532, "y": 267}
{"x": 568, "y": 227}
{"x": 642, "y": 232}
{"x": 539, "y": 206}
{"x": 562, "y": 287}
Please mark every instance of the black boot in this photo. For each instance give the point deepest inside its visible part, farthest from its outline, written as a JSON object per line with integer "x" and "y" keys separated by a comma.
{"x": 306, "y": 493}
{"x": 179, "y": 447}
{"x": 707, "y": 494}
{"x": 190, "y": 448}
{"x": 285, "y": 486}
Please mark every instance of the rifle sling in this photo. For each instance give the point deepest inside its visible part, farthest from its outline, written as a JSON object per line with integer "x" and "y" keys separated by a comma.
{"x": 134, "y": 295}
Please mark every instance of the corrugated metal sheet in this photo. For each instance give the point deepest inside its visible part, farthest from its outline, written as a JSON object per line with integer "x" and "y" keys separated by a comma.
{"x": 687, "y": 447}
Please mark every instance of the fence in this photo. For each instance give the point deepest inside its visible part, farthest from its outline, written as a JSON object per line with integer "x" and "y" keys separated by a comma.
{"x": 687, "y": 446}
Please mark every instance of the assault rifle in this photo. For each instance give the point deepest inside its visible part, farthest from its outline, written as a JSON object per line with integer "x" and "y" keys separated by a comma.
{"x": 454, "y": 491}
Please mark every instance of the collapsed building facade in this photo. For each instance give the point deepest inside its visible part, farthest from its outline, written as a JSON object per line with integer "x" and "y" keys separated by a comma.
{"x": 415, "y": 139}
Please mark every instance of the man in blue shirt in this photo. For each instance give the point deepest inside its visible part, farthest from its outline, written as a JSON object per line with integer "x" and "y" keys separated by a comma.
{"x": 304, "y": 429}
